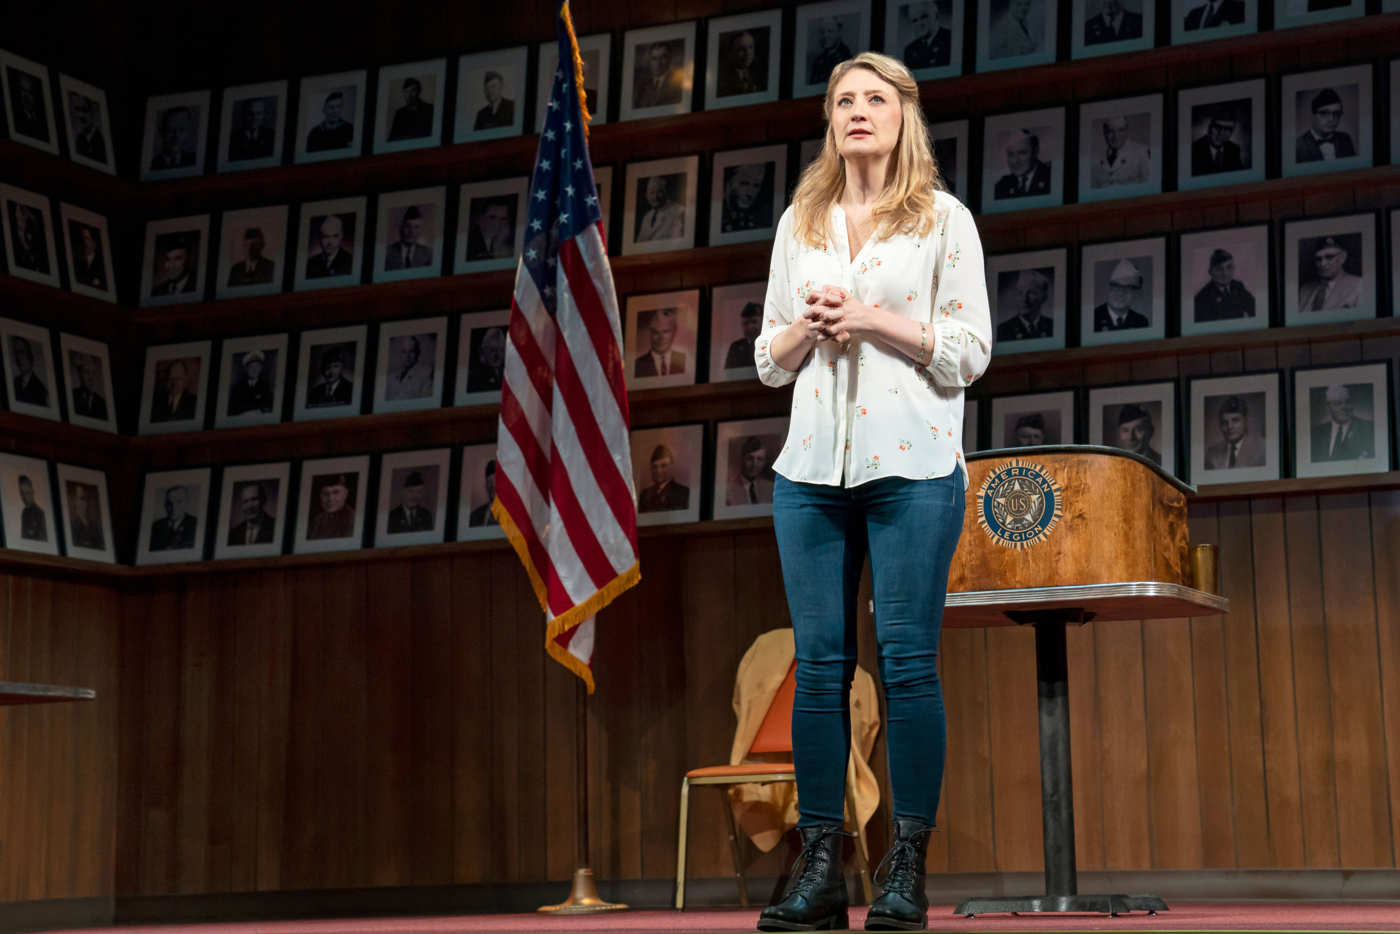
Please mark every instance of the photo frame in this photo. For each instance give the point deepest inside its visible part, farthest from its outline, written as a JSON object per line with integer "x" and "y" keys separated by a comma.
{"x": 736, "y": 320}
{"x": 745, "y": 450}
{"x": 172, "y": 272}
{"x": 1016, "y": 33}
{"x": 1029, "y": 295}
{"x": 26, "y": 502}
{"x": 658, "y": 71}
{"x": 412, "y": 498}
{"x": 1033, "y": 419}
{"x": 89, "y": 253}
{"x": 1329, "y": 269}
{"x": 1395, "y": 261}
{"x": 331, "y": 373}
{"x": 1023, "y": 160}
{"x": 490, "y": 225}
{"x": 1136, "y": 417}
{"x": 491, "y": 95}
{"x": 86, "y": 509}
{"x": 1234, "y": 428}
{"x": 927, "y": 35}
{"x": 742, "y": 60}
{"x": 971, "y": 426}
{"x": 176, "y": 132}
{"x": 174, "y": 388}
{"x": 660, "y": 205}
{"x": 29, "y": 237}
{"x": 252, "y": 510}
{"x": 1226, "y": 279}
{"x": 602, "y": 180}
{"x": 88, "y": 123}
{"x": 1123, "y": 291}
{"x": 667, "y": 465}
{"x": 1107, "y": 27}
{"x": 1289, "y": 14}
{"x": 660, "y": 339}
{"x": 596, "y": 52}
{"x": 807, "y": 151}
{"x": 949, "y": 141}
{"x": 478, "y": 488}
{"x": 333, "y": 496}
{"x": 1394, "y": 5}
{"x": 409, "y": 370}
{"x": 88, "y": 369}
{"x": 330, "y": 243}
{"x": 1194, "y": 21}
{"x": 252, "y": 126}
{"x": 330, "y": 116}
{"x": 481, "y": 357}
{"x": 252, "y": 252}
{"x": 30, "y": 382}
{"x": 252, "y": 380}
{"x": 747, "y": 189}
{"x": 28, "y": 102}
{"x": 410, "y": 106}
{"x": 1325, "y": 120}
{"x": 1221, "y": 134}
{"x": 824, "y": 35}
{"x": 1130, "y": 131}
{"x": 1342, "y": 418}
{"x": 410, "y": 234}
{"x": 174, "y": 516}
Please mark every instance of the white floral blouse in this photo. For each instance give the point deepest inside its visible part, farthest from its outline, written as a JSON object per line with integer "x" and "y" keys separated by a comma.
{"x": 867, "y": 411}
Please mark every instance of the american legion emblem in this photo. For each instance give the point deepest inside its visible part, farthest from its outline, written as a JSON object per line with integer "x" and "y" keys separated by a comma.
{"x": 1019, "y": 504}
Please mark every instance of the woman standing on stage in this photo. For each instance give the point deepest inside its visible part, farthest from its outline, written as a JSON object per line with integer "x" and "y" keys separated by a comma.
{"x": 877, "y": 309}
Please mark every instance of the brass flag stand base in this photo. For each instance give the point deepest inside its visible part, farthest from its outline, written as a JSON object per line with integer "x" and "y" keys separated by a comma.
{"x": 583, "y": 900}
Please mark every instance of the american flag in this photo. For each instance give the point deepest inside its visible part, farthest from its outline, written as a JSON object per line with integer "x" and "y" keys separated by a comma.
{"x": 564, "y": 492}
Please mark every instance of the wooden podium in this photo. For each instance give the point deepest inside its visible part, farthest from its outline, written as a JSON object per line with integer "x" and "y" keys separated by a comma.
{"x": 1069, "y": 534}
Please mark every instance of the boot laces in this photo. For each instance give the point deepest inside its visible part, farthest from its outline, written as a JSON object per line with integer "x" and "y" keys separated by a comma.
{"x": 813, "y": 859}
{"x": 900, "y": 865}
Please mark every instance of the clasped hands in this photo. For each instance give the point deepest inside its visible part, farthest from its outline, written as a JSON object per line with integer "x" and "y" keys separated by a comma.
{"x": 833, "y": 314}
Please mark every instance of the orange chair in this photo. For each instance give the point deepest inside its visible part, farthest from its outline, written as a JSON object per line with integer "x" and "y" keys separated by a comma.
{"x": 774, "y": 736}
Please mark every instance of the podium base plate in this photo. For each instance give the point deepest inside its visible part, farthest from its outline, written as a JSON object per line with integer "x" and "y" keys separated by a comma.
{"x": 1112, "y": 905}
{"x": 583, "y": 899}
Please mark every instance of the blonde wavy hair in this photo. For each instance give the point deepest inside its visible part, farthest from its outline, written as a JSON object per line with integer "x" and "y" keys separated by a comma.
{"x": 906, "y": 205}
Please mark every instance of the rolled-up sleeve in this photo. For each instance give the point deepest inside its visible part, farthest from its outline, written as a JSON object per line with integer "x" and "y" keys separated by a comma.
{"x": 777, "y": 306}
{"x": 962, "y": 320}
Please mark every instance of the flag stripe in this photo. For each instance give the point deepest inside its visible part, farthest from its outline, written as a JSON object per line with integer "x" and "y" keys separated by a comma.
{"x": 605, "y": 343}
{"x": 531, "y": 453}
{"x": 511, "y": 502}
{"x": 580, "y": 533}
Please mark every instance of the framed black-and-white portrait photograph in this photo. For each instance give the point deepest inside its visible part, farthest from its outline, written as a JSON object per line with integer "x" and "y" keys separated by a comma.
{"x": 660, "y": 338}
{"x": 411, "y": 96}
{"x": 89, "y": 124}
{"x": 1120, "y": 148}
{"x": 1123, "y": 291}
{"x": 87, "y": 514}
{"x": 742, "y": 59}
{"x": 927, "y": 35}
{"x": 28, "y": 103}
{"x": 412, "y": 498}
{"x": 1137, "y": 417}
{"x": 481, "y": 357}
{"x": 660, "y": 205}
{"x": 252, "y": 377}
{"x": 658, "y": 71}
{"x": 491, "y": 220}
{"x": 26, "y": 500}
{"x": 1023, "y": 160}
{"x": 596, "y": 52}
{"x": 491, "y": 95}
{"x": 409, "y": 371}
{"x": 176, "y": 130}
{"x": 174, "y": 388}
{"x": 1202, "y": 20}
{"x": 87, "y": 364}
{"x": 1220, "y": 134}
{"x": 666, "y": 473}
{"x": 825, "y": 35}
{"x": 1329, "y": 269}
{"x": 736, "y": 320}
{"x": 949, "y": 141}
{"x": 1291, "y": 13}
{"x": 478, "y": 489}
{"x": 971, "y": 426}
{"x": 252, "y": 252}
{"x": 1226, "y": 275}
{"x": 1234, "y": 428}
{"x": 746, "y": 194}
{"x": 30, "y": 381}
{"x": 331, "y": 373}
{"x": 333, "y": 497}
{"x": 1341, "y": 419}
{"x": 174, "y": 513}
{"x": 252, "y": 516}
{"x": 1107, "y": 27}
{"x": 331, "y": 116}
{"x": 252, "y": 126}
{"x": 1023, "y": 421}
{"x": 1015, "y": 33}
{"x": 410, "y": 234}
{"x": 330, "y": 243}
{"x": 744, "y": 454}
{"x": 1028, "y": 293}
{"x": 1325, "y": 120}
{"x": 29, "y": 238}
{"x": 90, "y": 269}
{"x": 172, "y": 272}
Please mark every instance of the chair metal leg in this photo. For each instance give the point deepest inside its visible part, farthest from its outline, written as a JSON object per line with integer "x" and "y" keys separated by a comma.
{"x": 734, "y": 848}
{"x": 680, "y": 845}
{"x": 862, "y": 858}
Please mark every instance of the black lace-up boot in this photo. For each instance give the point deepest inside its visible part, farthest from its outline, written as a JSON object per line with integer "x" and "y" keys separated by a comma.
{"x": 815, "y": 897}
{"x": 902, "y": 905}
